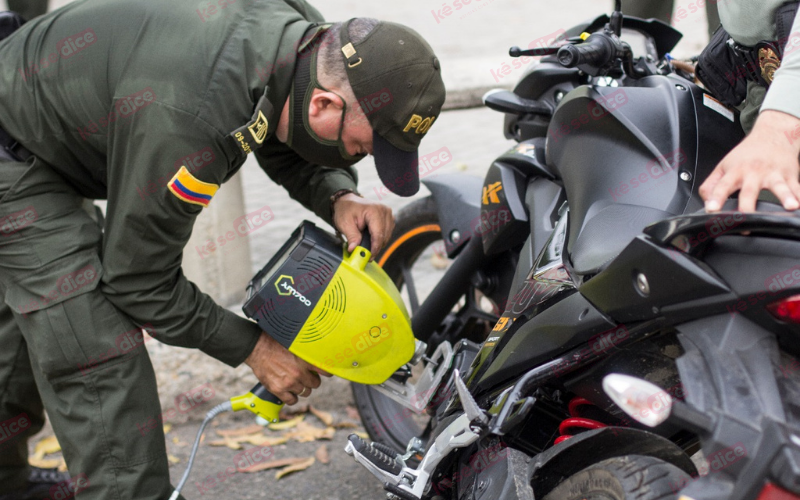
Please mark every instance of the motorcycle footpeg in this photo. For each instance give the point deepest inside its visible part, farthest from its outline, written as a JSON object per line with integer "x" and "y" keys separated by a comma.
{"x": 407, "y": 483}
{"x": 377, "y": 454}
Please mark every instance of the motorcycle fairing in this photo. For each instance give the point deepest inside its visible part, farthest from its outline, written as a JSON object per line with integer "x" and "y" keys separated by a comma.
{"x": 703, "y": 228}
{"x": 701, "y": 278}
{"x": 672, "y": 279}
{"x": 567, "y": 324}
{"x": 504, "y": 218}
{"x": 543, "y": 81}
{"x": 636, "y": 149}
{"x": 458, "y": 204}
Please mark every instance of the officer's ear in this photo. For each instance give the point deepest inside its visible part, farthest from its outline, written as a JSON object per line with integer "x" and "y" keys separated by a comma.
{"x": 325, "y": 114}
{"x": 323, "y": 102}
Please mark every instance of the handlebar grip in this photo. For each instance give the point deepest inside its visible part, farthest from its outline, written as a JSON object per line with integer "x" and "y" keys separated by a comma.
{"x": 597, "y": 52}
{"x": 366, "y": 240}
{"x": 259, "y": 401}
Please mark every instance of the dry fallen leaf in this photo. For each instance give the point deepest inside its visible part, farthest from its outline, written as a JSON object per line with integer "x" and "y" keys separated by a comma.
{"x": 345, "y": 425}
{"x": 44, "y": 463}
{"x": 322, "y": 454}
{"x": 243, "y": 431}
{"x": 234, "y": 445}
{"x": 261, "y": 440}
{"x": 274, "y": 464}
{"x": 324, "y": 417}
{"x": 362, "y": 435}
{"x": 305, "y": 433}
{"x": 62, "y": 467}
{"x": 352, "y": 414}
{"x": 173, "y": 459}
{"x": 167, "y": 428}
{"x": 46, "y": 446}
{"x": 439, "y": 261}
{"x": 296, "y": 467}
{"x": 291, "y": 411}
{"x": 287, "y": 424}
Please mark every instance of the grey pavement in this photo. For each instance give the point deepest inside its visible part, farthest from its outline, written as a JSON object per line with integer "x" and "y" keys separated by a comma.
{"x": 341, "y": 479}
{"x": 473, "y": 40}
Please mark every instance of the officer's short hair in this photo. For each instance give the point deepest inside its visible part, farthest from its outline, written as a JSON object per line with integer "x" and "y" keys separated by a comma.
{"x": 331, "y": 59}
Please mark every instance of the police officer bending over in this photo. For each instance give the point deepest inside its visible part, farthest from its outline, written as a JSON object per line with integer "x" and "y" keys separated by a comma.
{"x": 100, "y": 98}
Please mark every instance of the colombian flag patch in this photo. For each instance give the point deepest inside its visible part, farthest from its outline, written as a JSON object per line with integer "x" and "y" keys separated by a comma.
{"x": 188, "y": 189}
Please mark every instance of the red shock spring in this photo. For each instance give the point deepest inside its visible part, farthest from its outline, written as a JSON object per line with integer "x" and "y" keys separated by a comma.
{"x": 576, "y": 421}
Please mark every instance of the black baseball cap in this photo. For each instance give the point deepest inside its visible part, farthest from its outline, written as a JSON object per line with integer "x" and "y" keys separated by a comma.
{"x": 397, "y": 80}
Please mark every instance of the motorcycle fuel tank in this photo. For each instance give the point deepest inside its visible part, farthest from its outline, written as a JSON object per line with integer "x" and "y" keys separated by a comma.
{"x": 629, "y": 156}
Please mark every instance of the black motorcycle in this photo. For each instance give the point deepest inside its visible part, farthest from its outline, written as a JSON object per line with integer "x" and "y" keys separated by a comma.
{"x": 595, "y": 330}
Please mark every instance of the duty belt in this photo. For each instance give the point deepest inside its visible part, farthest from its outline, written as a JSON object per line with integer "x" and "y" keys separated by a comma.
{"x": 13, "y": 149}
{"x": 760, "y": 63}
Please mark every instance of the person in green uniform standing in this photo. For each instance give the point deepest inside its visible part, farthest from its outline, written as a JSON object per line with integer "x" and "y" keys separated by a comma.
{"x": 663, "y": 10}
{"x": 28, "y": 8}
{"x": 766, "y": 161}
{"x": 152, "y": 106}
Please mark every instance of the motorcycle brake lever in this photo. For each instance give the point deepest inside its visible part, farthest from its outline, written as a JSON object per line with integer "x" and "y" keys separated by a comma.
{"x": 515, "y": 51}
{"x": 542, "y": 51}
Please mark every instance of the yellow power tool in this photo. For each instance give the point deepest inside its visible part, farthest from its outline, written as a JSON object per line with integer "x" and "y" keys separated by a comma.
{"x": 332, "y": 308}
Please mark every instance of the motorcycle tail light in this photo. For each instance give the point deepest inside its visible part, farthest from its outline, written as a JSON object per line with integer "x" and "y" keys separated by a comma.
{"x": 772, "y": 492}
{"x": 787, "y": 309}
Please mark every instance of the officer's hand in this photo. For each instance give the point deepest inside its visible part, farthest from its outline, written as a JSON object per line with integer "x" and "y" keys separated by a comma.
{"x": 766, "y": 159}
{"x": 281, "y": 372}
{"x": 351, "y": 214}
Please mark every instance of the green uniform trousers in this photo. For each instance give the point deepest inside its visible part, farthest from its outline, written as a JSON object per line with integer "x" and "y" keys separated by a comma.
{"x": 663, "y": 9}
{"x": 64, "y": 346}
{"x": 28, "y": 8}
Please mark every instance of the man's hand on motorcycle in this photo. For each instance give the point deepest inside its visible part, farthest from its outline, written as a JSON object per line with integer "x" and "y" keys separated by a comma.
{"x": 281, "y": 372}
{"x": 765, "y": 159}
{"x": 352, "y": 214}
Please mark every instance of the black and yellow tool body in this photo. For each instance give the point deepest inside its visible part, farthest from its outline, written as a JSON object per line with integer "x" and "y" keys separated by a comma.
{"x": 332, "y": 308}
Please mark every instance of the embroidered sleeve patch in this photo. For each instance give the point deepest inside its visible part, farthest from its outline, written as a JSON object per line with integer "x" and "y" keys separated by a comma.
{"x": 187, "y": 188}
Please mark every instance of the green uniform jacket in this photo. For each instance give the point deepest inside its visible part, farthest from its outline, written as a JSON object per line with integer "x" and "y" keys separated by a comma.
{"x": 748, "y": 22}
{"x": 118, "y": 95}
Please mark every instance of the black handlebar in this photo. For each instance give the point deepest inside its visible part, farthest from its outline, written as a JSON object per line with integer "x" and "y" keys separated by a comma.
{"x": 598, "y": 51}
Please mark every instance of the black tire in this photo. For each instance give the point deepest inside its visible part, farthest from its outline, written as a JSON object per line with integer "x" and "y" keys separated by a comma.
{"x": 417, "y": 227}
{"x": 623, "y": 478}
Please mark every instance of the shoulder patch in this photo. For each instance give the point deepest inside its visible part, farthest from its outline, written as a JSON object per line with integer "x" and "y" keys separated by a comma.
{"x": 191, "y": 190}
{"x": 251, "y": 136}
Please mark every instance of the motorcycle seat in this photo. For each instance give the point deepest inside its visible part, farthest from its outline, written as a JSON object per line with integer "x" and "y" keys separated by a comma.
{"x": 604, "y": 236}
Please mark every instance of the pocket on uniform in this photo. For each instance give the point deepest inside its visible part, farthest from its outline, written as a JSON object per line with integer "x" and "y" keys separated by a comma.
{"x": 68, "y": 323}
{"x": 54, "y": 283}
